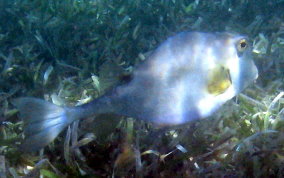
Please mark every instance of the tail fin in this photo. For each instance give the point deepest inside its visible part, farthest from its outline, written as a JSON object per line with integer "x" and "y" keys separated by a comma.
{"x": 43, "y": 121}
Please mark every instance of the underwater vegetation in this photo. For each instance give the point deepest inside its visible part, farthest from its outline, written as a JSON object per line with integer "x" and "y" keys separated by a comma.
{"x": 70, "y": 52}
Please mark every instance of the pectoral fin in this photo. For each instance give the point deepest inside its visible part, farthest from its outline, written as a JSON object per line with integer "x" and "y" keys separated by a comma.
{"x": 219, "y": 80}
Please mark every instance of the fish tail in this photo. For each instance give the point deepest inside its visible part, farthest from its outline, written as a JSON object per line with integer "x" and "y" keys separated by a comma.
{"x": 43, "y": 121}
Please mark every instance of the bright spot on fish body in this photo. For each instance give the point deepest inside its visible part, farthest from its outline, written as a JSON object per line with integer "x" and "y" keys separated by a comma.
{"x": 205, "y": 105}
{"x": 210, "y": 103}
{"x": 179, "y": 96}
{"x": 211, "y": 60}
{"x": 233, "y": 64}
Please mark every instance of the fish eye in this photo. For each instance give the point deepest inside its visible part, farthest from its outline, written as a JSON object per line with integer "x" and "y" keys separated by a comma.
{"x": 242, "y": 45}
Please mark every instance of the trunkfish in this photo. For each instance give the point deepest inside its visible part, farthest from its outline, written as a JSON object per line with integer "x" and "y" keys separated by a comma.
{"x": 188, "y": 77}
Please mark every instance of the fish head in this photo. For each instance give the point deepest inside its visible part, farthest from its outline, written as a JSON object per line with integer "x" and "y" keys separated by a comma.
{"x": 243, "y": 71}
{"x": 229, "y": 69}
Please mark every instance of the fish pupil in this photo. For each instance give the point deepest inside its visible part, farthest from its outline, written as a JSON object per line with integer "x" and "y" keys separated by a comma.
{"x": 243, "y": 44}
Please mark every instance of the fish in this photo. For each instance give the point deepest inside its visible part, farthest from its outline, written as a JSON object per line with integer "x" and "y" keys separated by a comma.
{"x": 187, "y": 77}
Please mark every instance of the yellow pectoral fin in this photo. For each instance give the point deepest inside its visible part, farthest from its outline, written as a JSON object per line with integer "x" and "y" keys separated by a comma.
{"x": 219, "y": 80}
